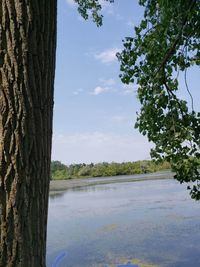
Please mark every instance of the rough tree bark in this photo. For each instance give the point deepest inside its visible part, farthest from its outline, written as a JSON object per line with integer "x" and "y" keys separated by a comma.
{"x": 27, "y": 65}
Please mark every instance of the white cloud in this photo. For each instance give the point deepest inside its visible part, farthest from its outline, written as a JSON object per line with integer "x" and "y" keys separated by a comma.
{"x": 71, "y": 3}
{"x": 99, "y": 90}
{"x": 108, "y": 55}
{"x": 130, "y": 23}
{"x": 78, "y": 91}
{"x": 107, "y": 82}
{"x": 129, "y": 89}
{"x": 99, "y": 147}
{"x": 120, "y": 118}
{"x": 106, "y": 85}
{"x": 119, "y": 17}
{"x": 107, "y": 7}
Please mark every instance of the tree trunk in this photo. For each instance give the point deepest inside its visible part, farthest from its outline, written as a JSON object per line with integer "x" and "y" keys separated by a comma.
{"x": 27, "y": 66}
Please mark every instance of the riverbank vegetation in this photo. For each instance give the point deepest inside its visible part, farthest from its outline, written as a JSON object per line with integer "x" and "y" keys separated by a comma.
{"x": 60, "y": 171}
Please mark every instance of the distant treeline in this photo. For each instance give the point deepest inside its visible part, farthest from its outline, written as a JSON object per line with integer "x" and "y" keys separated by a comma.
{"x": 61, "y": 171}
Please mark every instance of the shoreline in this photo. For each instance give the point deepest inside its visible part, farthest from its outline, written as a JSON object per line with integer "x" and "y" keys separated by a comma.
{"x": 62, "y": 185}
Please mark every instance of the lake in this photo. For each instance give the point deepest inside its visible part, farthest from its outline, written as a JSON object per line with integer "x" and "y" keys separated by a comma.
{"x": 153, "y": 223}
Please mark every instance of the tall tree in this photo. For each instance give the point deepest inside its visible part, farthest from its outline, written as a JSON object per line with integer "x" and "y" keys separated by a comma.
{"x": 27, "y": 66}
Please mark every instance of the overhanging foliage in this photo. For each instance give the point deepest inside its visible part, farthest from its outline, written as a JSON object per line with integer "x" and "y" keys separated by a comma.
{"x": 165, "y": 44}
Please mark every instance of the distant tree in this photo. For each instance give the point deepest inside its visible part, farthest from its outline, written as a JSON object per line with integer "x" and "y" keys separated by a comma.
{"x": 84, "y": 171}
{"x": 58, "y": 170}
{"x": 57, "y": 165}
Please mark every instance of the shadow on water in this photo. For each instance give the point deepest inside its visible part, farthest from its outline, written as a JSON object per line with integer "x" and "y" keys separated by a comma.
{"x": 89, "y": 188}
{"x": 56, "y": 194}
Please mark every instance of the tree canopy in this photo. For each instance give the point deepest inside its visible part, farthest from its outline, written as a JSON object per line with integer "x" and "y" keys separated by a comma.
{"x": 60, "y": 171}
{"x": 164, "y": 45}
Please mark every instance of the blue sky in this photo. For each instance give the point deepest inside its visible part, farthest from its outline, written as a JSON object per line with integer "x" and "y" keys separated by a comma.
{"x": 94, "y": 112}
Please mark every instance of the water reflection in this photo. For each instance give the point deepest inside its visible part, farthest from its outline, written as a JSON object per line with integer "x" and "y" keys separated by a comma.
{"x": 56, "y": 194}
{"x": 91, "y": 188}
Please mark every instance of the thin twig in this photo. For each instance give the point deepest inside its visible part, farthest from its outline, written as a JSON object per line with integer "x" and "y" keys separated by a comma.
{"x": 186, "y": 84}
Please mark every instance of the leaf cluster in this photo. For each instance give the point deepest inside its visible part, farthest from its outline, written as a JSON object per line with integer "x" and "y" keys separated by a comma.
{"x": 91, "y": 8}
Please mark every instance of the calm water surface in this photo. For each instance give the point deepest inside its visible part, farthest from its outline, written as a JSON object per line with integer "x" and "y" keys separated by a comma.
{"x": 153, "y": 221}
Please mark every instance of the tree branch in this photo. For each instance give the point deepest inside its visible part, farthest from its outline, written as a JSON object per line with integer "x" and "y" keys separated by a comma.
{"x": 176, "y": 41}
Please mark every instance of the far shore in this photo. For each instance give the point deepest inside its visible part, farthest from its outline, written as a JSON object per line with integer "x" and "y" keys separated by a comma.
{"x": 61, "y": 185}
